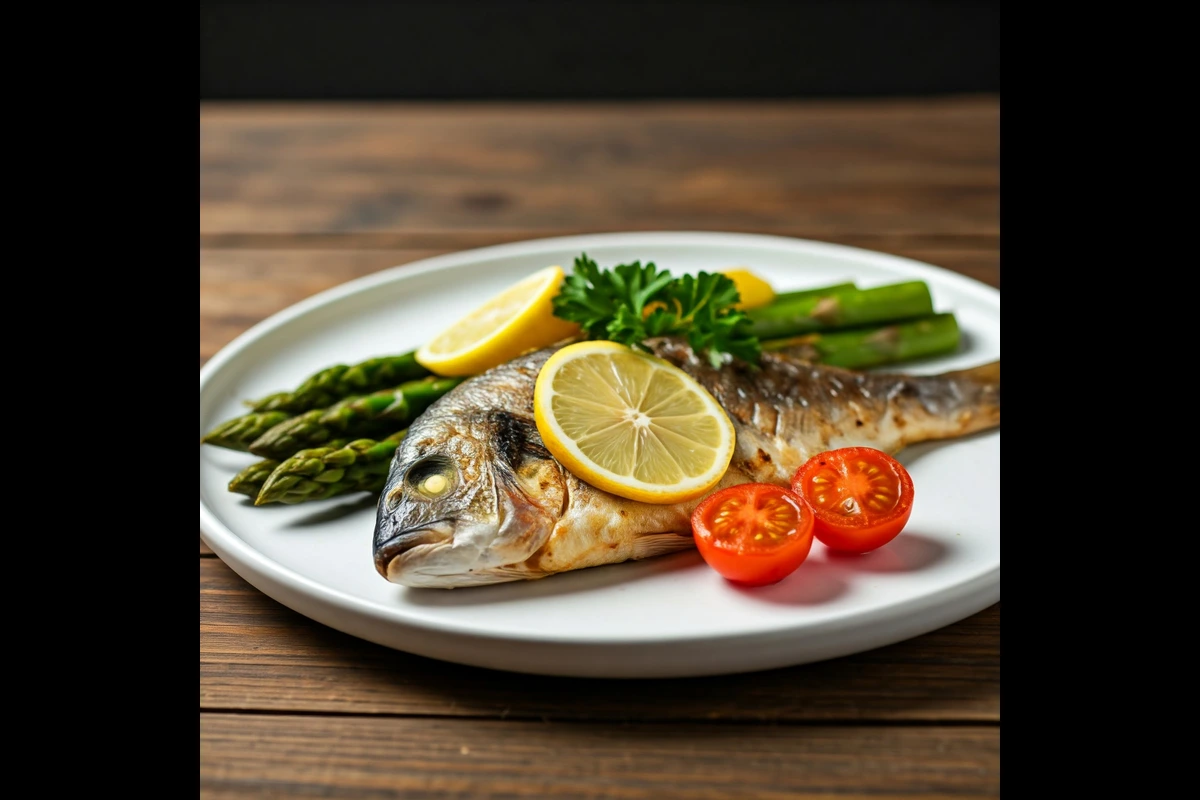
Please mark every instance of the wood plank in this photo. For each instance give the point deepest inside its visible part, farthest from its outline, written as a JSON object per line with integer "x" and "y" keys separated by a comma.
{"x": 205, "y": 550}
{"x": 253, "y": 756}
{"x": 431, "y": 238}
{"x": 927, "y": 165}
{"x": 239, "y": 288}
{"x": 256, "y": 654}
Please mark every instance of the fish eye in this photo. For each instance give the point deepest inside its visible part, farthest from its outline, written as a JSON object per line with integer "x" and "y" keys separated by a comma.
{"x": 432, "y": 477}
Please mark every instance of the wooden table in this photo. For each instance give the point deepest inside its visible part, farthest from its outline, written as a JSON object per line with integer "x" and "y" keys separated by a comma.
{"x": 296, "y": 199}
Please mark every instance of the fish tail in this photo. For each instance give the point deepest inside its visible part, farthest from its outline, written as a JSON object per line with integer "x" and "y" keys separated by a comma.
{"x": 984, "y": 375}
{"x": 945, "y": 405}
{"x": 979, "y": 389}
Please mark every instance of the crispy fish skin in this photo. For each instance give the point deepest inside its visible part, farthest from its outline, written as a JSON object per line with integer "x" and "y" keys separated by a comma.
{"x": 473, "y": 496}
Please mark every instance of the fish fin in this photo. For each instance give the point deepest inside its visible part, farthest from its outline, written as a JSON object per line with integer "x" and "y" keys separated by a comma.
{"x": 481, "y": 577}
{"x": 649, "y": 545}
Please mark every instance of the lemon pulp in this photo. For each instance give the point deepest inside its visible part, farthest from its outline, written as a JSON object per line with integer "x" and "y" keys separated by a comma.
{"x": 631, "y": 424}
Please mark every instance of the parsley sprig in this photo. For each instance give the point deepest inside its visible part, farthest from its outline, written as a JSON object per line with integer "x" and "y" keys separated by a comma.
{"x": 611, "y": 304}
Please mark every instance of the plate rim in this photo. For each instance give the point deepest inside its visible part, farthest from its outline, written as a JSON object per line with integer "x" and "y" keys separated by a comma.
{"x": 240, "y": 556}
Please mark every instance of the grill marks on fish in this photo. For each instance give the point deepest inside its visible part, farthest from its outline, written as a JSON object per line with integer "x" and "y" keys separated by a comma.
{"x": 519, "y": 514}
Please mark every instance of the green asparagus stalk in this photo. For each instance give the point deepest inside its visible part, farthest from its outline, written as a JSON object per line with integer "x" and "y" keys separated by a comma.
{"x": 874, "y": 346}
{"x": 250, "y": 480}
{"x": 321, "y": 472}
{"x": 369, "y": 415}
{"x": 324, "y": 388}
{"x": 843, "y": 309}
{"x": 320, "y": 390}
{"x": 240, "y": 432}
{"x": 816, "y": 291}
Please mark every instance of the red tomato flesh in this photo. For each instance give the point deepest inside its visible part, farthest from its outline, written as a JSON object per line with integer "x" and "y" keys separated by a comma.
{"x": 861, "y": 498}
{"x": 755, "y": 533}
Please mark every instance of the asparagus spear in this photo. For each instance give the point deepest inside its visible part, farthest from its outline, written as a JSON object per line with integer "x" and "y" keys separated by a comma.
{"x": 331, "y": 384}
{"x": 800, "y": 294}
{"x": 320, "y": 472}
{"x": 320, "y": 390}
{"x": 842, "y": 309}
{"x": 860, "y": 348}
{"x": 367, "y": 415}
{"x": 240, "y": 432}
{"x": 250, "y": 480}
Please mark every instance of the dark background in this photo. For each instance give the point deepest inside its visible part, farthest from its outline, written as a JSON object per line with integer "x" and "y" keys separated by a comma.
{"x": 537, "y": 49}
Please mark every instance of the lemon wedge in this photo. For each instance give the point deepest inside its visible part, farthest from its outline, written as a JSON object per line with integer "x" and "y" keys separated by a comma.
{"x": 519, "y": 319}
{"x": 630, "y": 423}
{"x": 753, "y": 290}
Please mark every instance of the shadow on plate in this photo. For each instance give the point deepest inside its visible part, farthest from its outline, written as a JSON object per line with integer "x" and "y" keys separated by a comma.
{"x": 582, "y": 580}
{"x": 815, "y": 582}
{"x": 826, "y": 578}
{"x": 334, "y": 513}
{"x": 908, "y": 552}
{"x": 812, "y": 584}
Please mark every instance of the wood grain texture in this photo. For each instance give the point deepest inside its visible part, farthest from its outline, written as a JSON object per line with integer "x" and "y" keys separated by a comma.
{"x": 256, "y": 654}
{"x": 430, "y": 238}
{"x": 824, "y": 168}
{"x": 255, "y": 756}
{"x": 239, "y": 288}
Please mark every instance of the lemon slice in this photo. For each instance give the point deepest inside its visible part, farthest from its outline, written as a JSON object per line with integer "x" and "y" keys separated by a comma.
{"x": 753, "y": 290}
{"x": 519, "y": 319}
{"x": 630, "y": 423}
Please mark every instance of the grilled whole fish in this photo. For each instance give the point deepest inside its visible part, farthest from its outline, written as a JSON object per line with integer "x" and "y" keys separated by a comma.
{"x": 473, "y": 497}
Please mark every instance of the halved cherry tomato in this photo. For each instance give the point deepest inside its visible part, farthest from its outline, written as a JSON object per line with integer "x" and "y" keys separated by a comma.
{"x": 861, "y": 497}
{"x": 755, "y": 533}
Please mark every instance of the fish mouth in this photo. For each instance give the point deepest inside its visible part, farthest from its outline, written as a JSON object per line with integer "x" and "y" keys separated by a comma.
{"x": 430, "y": 533}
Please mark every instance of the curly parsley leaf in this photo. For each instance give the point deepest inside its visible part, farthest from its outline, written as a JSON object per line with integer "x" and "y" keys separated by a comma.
{"x": 612, "y": 304}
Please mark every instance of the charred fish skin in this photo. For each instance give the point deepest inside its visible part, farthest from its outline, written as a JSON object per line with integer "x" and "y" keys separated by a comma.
{"x": 473, "y": 497}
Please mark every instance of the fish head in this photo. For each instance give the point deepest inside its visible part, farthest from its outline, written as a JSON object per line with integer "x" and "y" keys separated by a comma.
{"x": 470, "y": 496}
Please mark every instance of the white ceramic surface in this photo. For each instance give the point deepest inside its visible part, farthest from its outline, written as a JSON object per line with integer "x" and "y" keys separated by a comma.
{"x": 665, "y": 617}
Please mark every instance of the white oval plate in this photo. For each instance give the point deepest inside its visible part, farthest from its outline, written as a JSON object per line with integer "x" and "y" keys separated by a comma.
{"x": 670, "y": 616}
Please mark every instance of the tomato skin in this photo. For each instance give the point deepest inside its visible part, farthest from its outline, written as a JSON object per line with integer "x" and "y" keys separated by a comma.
{"x": 875, "y": 485}
{"x": 726, "y": 523}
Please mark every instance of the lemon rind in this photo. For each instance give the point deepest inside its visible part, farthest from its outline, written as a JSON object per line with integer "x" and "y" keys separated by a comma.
{"x": 480, "y": 354}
